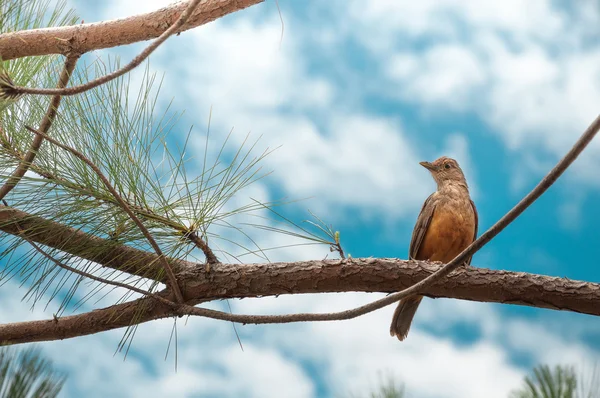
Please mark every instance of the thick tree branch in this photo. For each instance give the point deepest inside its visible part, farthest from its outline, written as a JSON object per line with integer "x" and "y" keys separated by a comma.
{"x": 94, "y": 36}
{"x": 119, "y": 72}
{"x": 78, "y": 243}
{"x": 365, "y": 275}
{"x": 117, "y": 316}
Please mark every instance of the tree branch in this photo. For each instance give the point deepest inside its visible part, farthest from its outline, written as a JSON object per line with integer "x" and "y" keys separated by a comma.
{"x": 78, "y": 243}
{"x": 45, "y": 125}
{"x": 97, "y": 278}
{"x": 365, "y": 275}
{"x": 18, "y": 90}
{"x": 202, "y": 245}
{"x": 117, "y": 316}
{"x": 94, "y": 36}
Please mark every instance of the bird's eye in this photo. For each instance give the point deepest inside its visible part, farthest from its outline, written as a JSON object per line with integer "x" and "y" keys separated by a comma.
{"x": 447, "y": 166}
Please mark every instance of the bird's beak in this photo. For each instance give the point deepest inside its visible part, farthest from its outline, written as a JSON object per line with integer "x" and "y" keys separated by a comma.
{"x": 429, "y": 166}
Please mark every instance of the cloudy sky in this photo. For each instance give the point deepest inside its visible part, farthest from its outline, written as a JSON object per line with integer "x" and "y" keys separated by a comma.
{"x": 356, "y": 94}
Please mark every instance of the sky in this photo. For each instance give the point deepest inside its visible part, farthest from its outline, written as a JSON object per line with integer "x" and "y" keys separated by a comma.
{"x": 354, "y": 94}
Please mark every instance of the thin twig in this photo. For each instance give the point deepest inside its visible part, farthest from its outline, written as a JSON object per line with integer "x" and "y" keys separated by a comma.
{"x": 119, "y": 72}
{"x": 125, "y": 207}
{"x": 24, "y": 164}
{"x": 211, "y": 259}
{"x": 282, "y": 24}
{"x": 338, "y": 246}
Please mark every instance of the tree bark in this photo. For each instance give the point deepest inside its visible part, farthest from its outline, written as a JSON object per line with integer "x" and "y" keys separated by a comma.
{"x": 364, "y": 275}
{"x": 93, "y": 36}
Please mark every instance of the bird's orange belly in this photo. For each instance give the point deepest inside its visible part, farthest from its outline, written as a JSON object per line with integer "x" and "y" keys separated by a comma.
{"x": 448, "y": 234}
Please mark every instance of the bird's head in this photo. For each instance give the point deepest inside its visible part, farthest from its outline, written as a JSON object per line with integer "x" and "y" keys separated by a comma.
{"x": 445, "y": 171}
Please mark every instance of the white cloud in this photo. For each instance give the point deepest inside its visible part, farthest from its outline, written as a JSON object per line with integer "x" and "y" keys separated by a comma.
{"x": 434, "y": 371}
{"x": 271, "y": 379}
{"x": 392, "y": 21}
{"x": 392, "y": 24}
{"x": 443, "y": 75}
{"x": 327, "y": 150}
{"x": 535, "y": 340}
{"x": 570, "y": 212}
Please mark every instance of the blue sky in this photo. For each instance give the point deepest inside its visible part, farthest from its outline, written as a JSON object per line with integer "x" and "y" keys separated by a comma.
{"x": 357, "y": 94}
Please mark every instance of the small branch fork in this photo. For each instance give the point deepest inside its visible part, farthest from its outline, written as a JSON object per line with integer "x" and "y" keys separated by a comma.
{"x": 16, "y": 91}
{"x": 211, "y": 259}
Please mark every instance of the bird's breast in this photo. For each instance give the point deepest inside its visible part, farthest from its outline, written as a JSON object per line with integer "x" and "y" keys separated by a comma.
{"x": 450, "y": 231}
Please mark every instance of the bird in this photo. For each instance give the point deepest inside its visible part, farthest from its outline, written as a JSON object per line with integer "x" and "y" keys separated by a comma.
{"x": 447, "y": 224}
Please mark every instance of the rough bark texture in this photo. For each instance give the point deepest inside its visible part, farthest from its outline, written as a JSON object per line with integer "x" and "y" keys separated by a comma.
{"x": 114, "y": 317}
{"x": 366, "y": 275}
{"x": 389, "y": 275}
{"x": 93, "y": 36}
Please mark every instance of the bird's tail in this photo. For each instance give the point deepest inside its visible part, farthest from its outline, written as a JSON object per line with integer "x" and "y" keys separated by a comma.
{"x": 403, "y": 316}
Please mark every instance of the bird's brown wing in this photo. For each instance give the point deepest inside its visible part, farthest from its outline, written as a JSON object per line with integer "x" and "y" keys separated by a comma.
{"x": 468, "y": 261}
{"x": 421, "y": 226}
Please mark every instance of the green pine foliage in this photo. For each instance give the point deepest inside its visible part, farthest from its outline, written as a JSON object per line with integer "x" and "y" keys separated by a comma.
{"x": 25, "y": 373}
{"x": 562, "y": 381}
